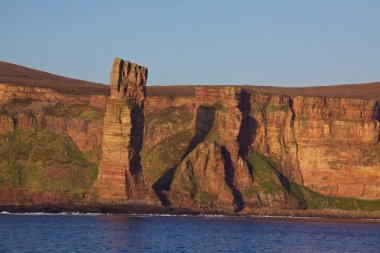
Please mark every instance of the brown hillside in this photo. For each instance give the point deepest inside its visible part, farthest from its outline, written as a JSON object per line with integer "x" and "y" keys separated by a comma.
{"x": 16, "y": 74}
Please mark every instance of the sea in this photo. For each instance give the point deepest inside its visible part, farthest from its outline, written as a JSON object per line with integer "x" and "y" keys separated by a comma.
{"x": 74, "y": 232}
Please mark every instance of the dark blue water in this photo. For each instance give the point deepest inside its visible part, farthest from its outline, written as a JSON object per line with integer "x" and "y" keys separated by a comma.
{"x": 113, "y": 233}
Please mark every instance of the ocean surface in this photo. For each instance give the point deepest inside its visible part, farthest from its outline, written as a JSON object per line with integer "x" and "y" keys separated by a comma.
{"x": 150, "y": 233}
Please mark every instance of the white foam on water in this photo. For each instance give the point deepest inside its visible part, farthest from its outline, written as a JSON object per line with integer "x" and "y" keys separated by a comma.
{"x": 204, "y": 216}
{"x": 52, "y": 214}
{"x": 215, "y": 215}
{"x": 158, "y": 215}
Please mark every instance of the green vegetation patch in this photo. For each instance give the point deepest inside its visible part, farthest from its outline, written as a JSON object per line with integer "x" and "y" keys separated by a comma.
{"x": 94, "y": 154}
{"x": 185, "y": 178}
{"x": 265, "y": 174}
{"x": 315, "y": 200}
{"x": 205, "y": 197}
{"x": 251, "y": 192}
{"x": 275, "y": 107}
{"x": 78, "y": 111}
{"x": 267, "y": 181}
{"x": 167, "y": 153}
{"x": 43, "y": 161}
{"x": 172, "y": 114}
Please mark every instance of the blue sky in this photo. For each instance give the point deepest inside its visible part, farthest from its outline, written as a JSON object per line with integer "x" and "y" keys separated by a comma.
{"x": 267, "y": 42}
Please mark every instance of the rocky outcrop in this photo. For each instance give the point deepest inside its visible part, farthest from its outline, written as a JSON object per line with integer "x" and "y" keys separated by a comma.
{"x": 120, "y": 176}
{"x": 214, "y": 149}
{"x": 221, "y": 146}
{"x": 200, "y": 180}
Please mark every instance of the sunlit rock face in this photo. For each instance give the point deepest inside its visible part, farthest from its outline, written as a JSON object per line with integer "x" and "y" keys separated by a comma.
{"x": 329, "y": 145}
{"x": 338, "y": 151}
{"x": 223, "y": 148}
{"x": 120, "y": 175}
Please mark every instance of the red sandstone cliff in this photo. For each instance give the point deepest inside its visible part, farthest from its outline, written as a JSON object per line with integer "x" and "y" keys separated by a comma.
{"x": 330, "y": 145}
{"x": 218, "y": 148}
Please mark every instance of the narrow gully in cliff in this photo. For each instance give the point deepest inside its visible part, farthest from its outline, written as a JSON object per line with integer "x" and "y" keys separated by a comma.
{"x": 264, "y": 116}
{"x": 294, "y": 138}
{"x": 229, "y": 179}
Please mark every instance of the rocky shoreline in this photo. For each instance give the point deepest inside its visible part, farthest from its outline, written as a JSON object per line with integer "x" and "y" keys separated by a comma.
{"x": 164, "y": 210}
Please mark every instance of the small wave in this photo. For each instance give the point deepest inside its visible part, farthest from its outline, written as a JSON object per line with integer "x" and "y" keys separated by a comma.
{"x": 158, "y": 215}
{"x": 283, "y": 217}
{"x": 205, "y": 216}
{"x": 215, "y": 215}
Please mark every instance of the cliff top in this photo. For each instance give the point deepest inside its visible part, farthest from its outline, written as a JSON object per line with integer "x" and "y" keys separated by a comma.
{"x": 19, "y": 75}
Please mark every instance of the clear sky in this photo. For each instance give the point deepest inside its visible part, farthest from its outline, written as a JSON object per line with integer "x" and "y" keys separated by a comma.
{"x": 267, "y": 42}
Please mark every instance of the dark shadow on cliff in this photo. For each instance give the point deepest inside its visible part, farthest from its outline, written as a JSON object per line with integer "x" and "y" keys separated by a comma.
{"x": 203, "y": 123}
{"x": 163, "y": 184}
{"x": 286, "y": 184}
{"x": 134, "y": 149}
{"x": 229, "y": 176}
{"x": 377, "y": 117}
{"x": 248, "y": 128}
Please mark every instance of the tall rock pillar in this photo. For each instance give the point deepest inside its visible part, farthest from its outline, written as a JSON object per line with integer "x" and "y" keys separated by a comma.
{"x": 120, "y": 176}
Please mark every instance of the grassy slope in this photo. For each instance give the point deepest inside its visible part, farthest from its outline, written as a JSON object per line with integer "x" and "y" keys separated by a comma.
{"x": 167, "y": 153}
{"x": 266, "y": 179}
{"x": 43, "y": 161}
{"x": 76, "y": 111}
{"x": 266, "y": 176}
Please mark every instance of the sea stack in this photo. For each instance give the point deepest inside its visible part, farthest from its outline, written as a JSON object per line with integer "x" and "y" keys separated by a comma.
{"x": 120, "y": 176}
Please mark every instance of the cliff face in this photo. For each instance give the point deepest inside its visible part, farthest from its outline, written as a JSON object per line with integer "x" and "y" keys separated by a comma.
{"x": 215, "y": 148}
{"x": 50, "y": 144}
{"x": 29, "y": 108}
{"x": 213, "y": 166}
{"x": 329, "y": 145}
{"x": 338, "y": 146}
{"x": 120, "y": 177}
